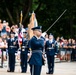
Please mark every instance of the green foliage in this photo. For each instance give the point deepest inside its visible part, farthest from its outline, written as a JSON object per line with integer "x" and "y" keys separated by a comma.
{"x": 50, "y": 11}
{"x": 47, "y": 11}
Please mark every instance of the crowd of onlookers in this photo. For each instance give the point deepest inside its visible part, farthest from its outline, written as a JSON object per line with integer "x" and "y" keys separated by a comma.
{"x": 66, "y": 48}
{"x": 5, "y": 30}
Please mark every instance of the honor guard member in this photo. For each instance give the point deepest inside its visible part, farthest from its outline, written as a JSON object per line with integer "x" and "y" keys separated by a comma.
{"x": 24, "y": 52}
{"x": 50, "y": 48}
{"x": 12, "y": 49}
{"x": 36, "y": 45}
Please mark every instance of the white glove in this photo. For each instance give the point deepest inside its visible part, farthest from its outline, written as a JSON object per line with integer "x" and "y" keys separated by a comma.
{"x": 29, "y": 55}
{"x": 43, "y": 34}
{"x": 16, "y": 54}
{"x": 55, "y": 56}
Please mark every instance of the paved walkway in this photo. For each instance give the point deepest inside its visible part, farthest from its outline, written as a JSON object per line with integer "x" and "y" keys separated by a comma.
{"x": 64, "y": 68}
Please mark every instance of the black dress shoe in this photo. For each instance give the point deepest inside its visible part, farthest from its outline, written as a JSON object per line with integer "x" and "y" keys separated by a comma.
{"x": 51, "y": 73}
{"x": 8, "y": 71}
{"x": 12, "y": 71}
{"x": 48, "y": 73}
{"x": 23, "y": 72}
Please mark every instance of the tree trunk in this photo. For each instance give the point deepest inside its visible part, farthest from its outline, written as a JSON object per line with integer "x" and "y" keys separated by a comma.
{"x": 10, "y": 16}
{"x": 18, "y": 19}
{"x": 29, "y": 6}
{"x": 38, "y": 7}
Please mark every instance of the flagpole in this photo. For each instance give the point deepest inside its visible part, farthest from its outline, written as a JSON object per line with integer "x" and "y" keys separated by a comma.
{"x": 21, "y": 16}
{"x": 20, "y": 27}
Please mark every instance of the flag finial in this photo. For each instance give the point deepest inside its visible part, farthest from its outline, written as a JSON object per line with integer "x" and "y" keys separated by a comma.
{"x": 33, "y": 12}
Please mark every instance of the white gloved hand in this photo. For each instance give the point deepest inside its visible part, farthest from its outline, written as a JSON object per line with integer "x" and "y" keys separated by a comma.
{"x": 55, "y": 56}
{"x": 29, "y": 55}
{"x": 43, "y": 34}
{"x": 16, "y": 54}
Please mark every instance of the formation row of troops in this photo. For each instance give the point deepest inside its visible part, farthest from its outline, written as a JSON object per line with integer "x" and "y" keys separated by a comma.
{"x": 32, "y": 52}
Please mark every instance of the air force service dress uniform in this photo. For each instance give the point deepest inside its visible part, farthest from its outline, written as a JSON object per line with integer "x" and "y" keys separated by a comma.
{"x": 35, "y": 61}
{"x": 12, "y": 49}
{"x": 51, "y": 49}
{"x": 23, "y": 55}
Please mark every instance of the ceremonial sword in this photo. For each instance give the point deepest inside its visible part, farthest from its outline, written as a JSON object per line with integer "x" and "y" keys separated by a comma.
{"x": 44, "y": 33}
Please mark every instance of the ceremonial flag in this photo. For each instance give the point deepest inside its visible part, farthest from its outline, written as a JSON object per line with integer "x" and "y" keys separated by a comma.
{"x": 33, "y": 23}
{"x": 35, "y": 20}
{"x": 20, "y": 37}
{"x": 20, "y": 34}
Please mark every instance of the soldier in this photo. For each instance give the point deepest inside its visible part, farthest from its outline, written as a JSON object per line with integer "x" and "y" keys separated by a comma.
{"x": 51, "y": 50}
{"x": 24, "y": 52}
{"x": 36, "y": 45}
{"x": 12, "y": 48}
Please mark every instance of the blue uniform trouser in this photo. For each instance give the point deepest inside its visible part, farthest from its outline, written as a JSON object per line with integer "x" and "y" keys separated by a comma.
{"x": 24, "y": 62}
{"x": 50, "y": 62}
{"x": 35, "y": 69}
{"x": 12, "y": 62}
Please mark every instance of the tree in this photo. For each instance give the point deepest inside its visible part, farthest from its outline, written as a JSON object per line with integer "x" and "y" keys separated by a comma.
{"x": 10, "y": 10}
{"x": 47, "y": 11}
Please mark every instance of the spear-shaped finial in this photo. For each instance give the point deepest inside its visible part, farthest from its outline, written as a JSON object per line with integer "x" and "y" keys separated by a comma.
{"x": 33, "y": 12}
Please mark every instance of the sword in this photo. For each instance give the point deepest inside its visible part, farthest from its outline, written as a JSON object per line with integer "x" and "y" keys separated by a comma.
{"x": 44, "y": 33}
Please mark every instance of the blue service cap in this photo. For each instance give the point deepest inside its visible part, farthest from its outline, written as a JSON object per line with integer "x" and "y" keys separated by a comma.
{"x": 50, "y": 34}
{"x": 37, "y": 28}
{"x": 25, "y": 32}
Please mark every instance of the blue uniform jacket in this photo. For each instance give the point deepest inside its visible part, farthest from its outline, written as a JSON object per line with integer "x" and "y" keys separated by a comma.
{"x": 50, "y": 48}
{"x": 37, "y": 47}
{"x": 11, "y": 47}
{"x": 24, "y": 46}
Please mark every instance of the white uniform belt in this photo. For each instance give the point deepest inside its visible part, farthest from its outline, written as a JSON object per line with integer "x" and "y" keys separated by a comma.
{"x": 23, "y": 47}
{"x": 13, "y": 46}
{"x": 50, "y": 48}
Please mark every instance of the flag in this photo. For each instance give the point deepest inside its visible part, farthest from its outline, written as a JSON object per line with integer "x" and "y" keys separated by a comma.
{"x": 35, "y": 20}
{"x": 33, "y": 23}
{"x": 20, "y": 37}
{"x": 20, "y": 34}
